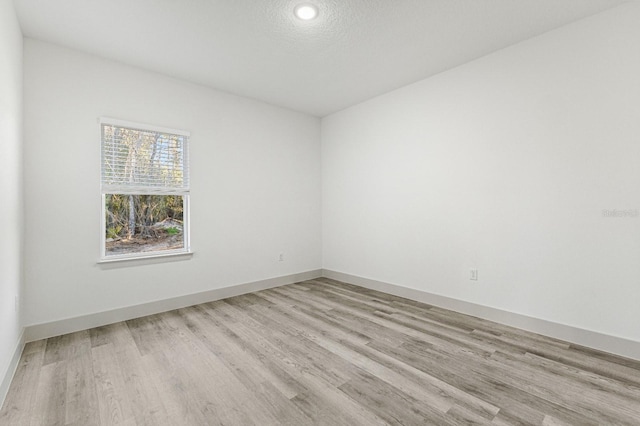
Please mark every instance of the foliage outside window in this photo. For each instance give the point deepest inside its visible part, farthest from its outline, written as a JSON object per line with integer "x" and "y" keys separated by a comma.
{"x": 145, "y": 190}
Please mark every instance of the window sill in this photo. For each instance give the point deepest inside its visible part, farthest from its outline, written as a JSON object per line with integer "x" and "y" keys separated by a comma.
{"x": 144, "y": 260}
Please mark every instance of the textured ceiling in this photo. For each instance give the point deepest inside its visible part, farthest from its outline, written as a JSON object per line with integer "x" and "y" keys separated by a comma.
{"x": 354, "y": 50}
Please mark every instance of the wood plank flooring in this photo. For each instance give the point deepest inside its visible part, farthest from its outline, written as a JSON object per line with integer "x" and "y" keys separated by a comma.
{"x": 318, "y": 352}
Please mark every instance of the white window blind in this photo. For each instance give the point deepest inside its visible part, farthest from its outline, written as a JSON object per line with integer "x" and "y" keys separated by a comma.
{"x": 143, "y": 160}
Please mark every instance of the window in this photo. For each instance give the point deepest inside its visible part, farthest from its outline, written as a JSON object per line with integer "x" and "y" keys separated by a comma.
{"x": 145, "y": 190}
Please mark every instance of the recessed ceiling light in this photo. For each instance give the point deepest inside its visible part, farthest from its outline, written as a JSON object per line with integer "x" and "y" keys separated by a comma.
{"x": 306, "y": 11}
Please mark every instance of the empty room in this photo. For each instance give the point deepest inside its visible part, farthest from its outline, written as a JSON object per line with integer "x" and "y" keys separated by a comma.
{"x": 319, "y": 212}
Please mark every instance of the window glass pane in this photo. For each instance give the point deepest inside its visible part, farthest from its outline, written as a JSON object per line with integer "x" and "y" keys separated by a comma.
{"x": 143, "y": 223}
{"x": 139, "y": 158}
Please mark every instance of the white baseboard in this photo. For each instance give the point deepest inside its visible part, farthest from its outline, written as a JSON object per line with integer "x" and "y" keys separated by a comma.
{"x": 592, "y": 339}
{"x": 84, "y": 322}
{"x": 11, "y": 369}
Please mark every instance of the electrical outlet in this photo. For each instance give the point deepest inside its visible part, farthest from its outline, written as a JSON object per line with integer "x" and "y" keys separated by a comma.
{"x": 281, "y": 257}
{"x": 473, "y": 275}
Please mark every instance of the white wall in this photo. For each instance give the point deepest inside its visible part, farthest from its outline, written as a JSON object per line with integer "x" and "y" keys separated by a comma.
{"x": 10, "y": 186}
{"x": 504, "y": 164}
{"x": 255, "y": 173}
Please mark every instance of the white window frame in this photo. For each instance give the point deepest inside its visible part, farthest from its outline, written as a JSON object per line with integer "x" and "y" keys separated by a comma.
{"x": 186, "y": 228}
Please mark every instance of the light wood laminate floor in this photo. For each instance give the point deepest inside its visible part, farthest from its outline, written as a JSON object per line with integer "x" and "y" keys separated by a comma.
{"x": 317, "y": 352}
